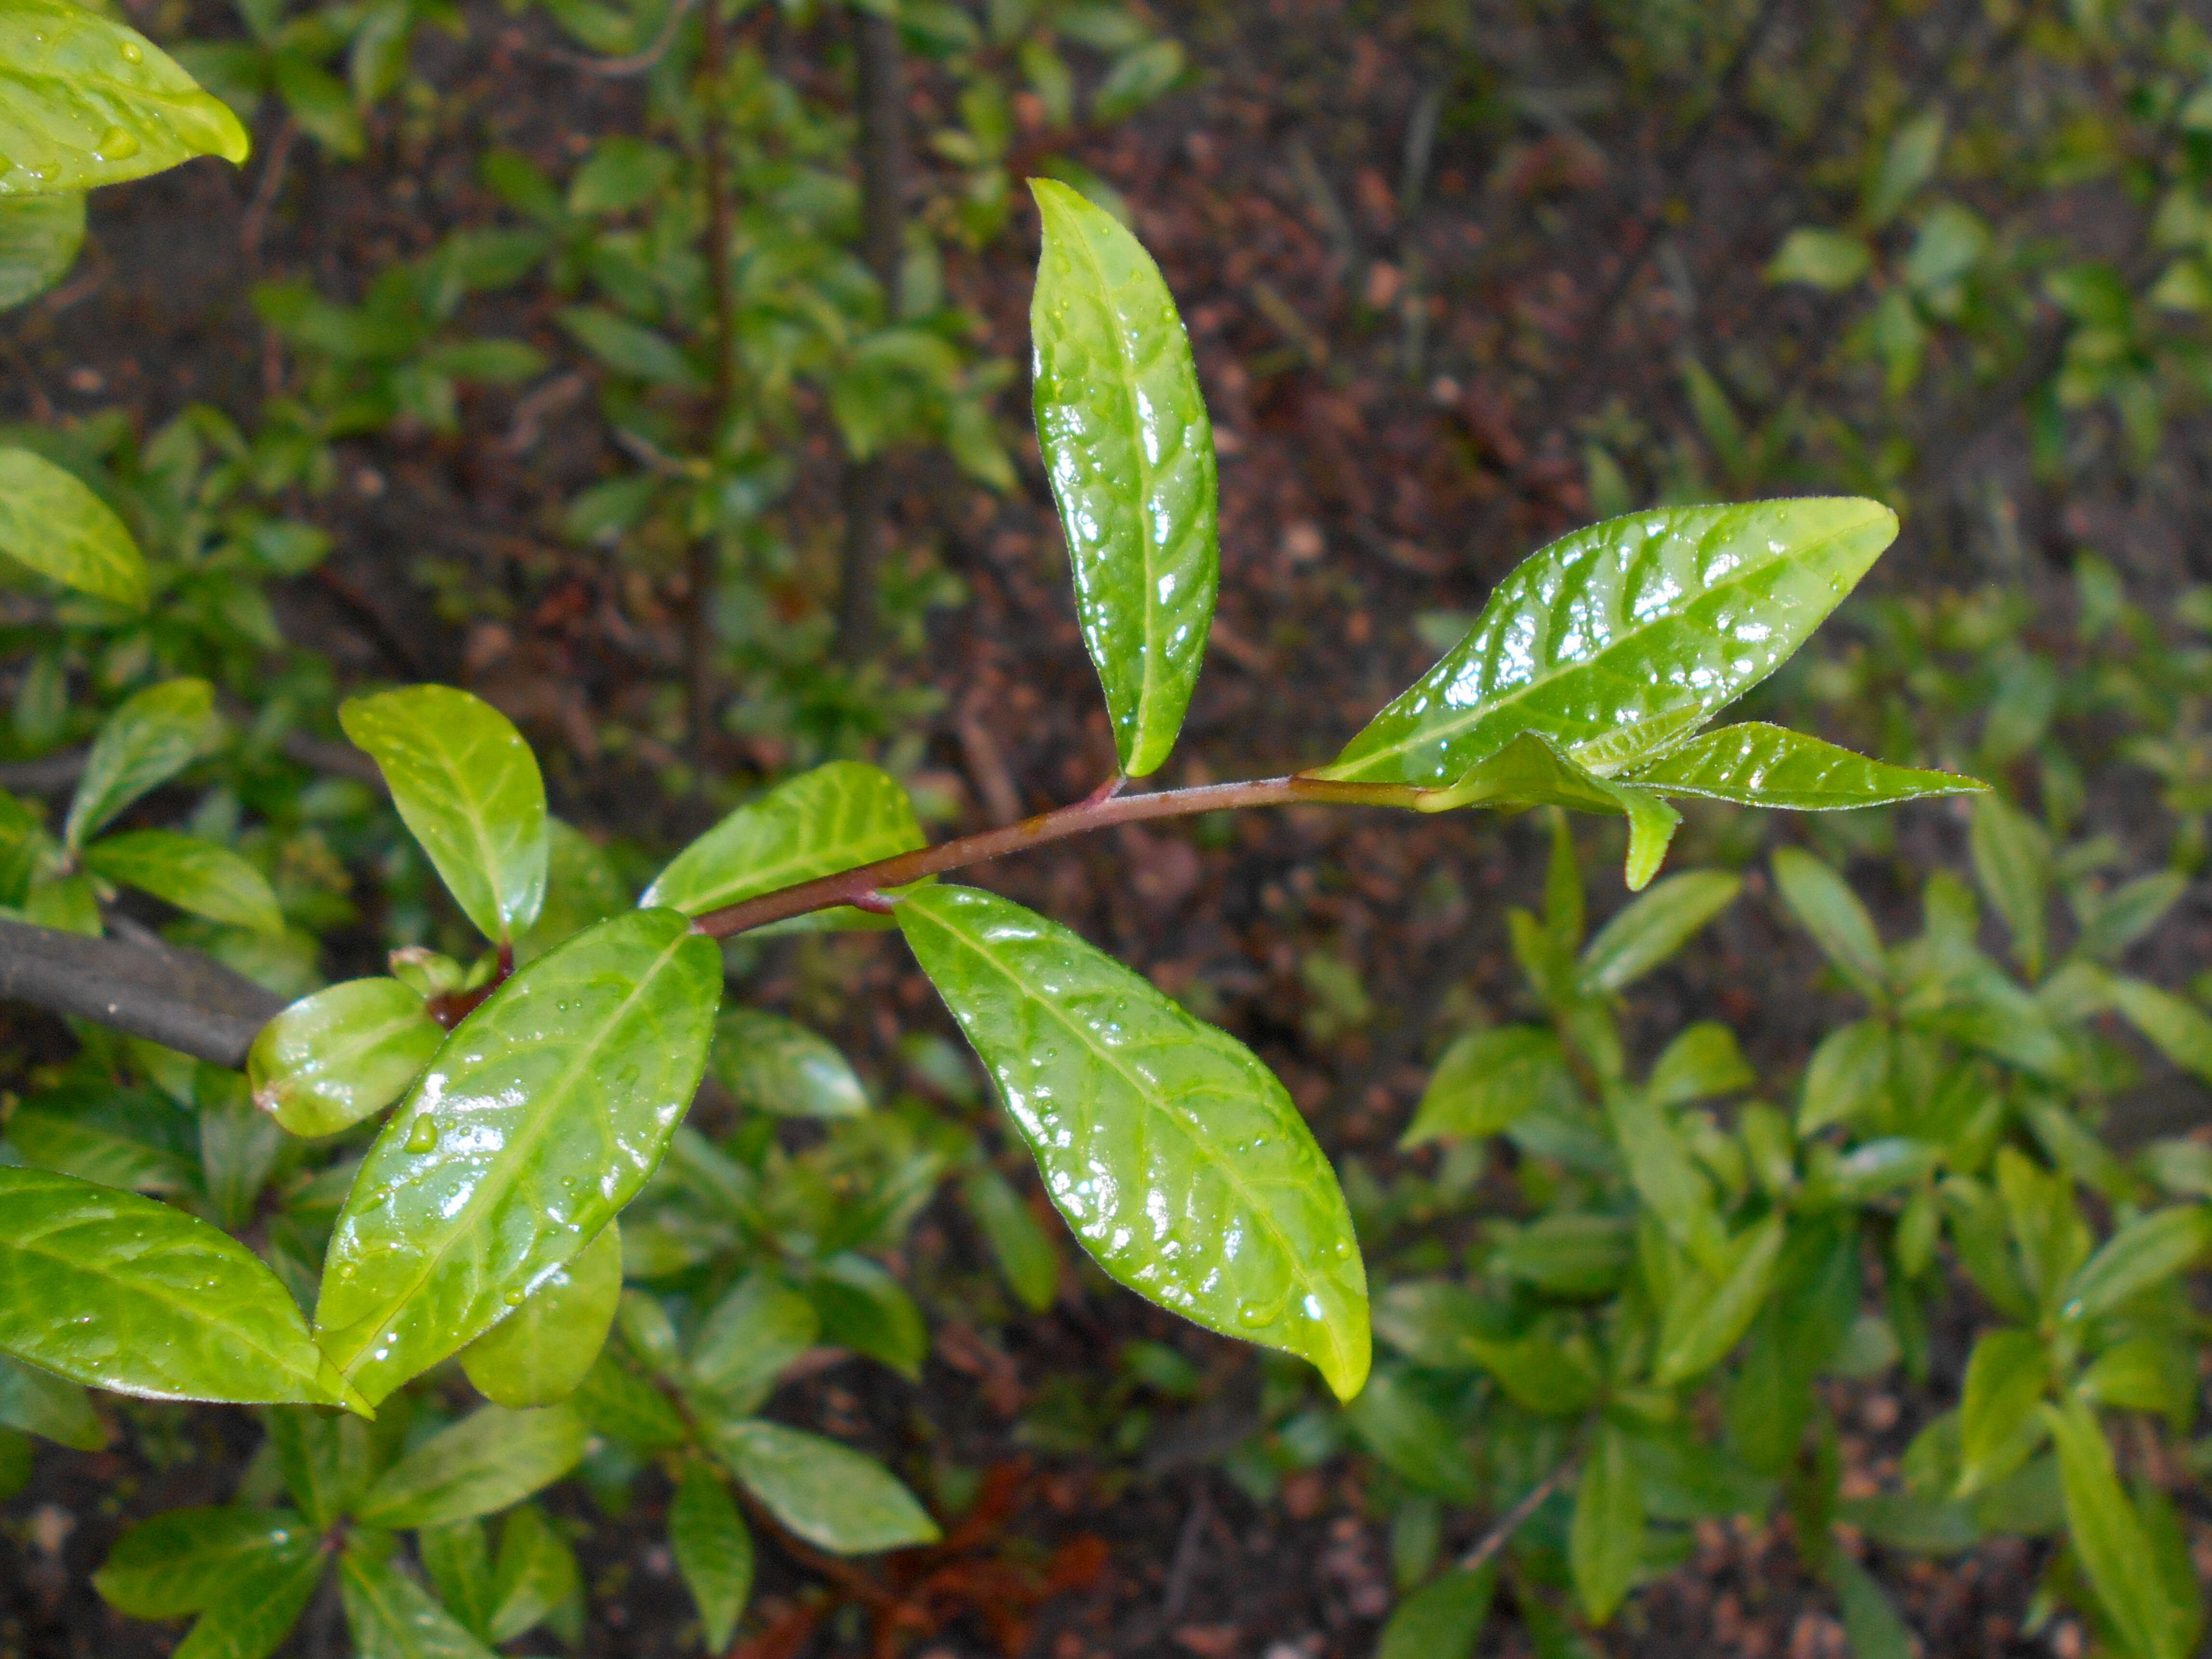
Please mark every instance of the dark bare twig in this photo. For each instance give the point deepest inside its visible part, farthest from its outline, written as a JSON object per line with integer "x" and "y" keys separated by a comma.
{"x": 179, "y": 999}
{"x": 1512, "y": 1521}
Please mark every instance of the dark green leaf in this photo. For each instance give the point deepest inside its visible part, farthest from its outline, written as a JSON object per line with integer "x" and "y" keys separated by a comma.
{"x": 257, "y": 1606}
{"x": 458, "y": 1558}
{"x": 1488, "y": 1079}
{"x": 490, "y": 1459}
{"x": 1870, "y": 1624}
{"x": 1536, "y": 1373}
{"x": 147, "y": 741}
{"x": 1606, "y": 1544}
{"x": 1644, "y": 933}
{"x": 753, "y": 1333}
{"x": 1442, "y": 1619}
{"x": 40, "y": 1403}
{"x": 714, "y": 1551}
{"x": 539, "y": 1353}
{"x": 179, "y": 1561}
{"x": 864, "y": 1309}
{"x": 537, "y": 1580}
{"x": 329, "y": 1060}
{"x": 828, "y": 1494}
{"x": 1024, "y": 1251}
{"x": 622, "y": 1405}
{"x": 118, "y": 1138}
{"x": 1412, "y": 1438}
{"x": 192, "y": 874}
{"x": 1760, "y": 765}
{"x": 1129, "y": 452}
{"x": 39, "y": 236}
{"x": 778, "y": 1065}
{"x": 393, "y": 1617}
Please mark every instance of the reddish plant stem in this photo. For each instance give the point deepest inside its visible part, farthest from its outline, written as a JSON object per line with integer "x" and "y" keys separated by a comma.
{"x": 864, "y": 884}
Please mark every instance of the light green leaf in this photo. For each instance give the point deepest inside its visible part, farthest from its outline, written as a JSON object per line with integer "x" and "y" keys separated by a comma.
{"x": 144, "y": 744}
{"x": 539, "y": 1353}
{"x": 468, "y": 787}
{"x": 1848, "y": 1077}
{"x": 1761, "y": 765}
{"x": 1707, "y": 1314}
{"x": 85, "y": 101}
{"x": 1702, "y": 1063}
{"x": 2145, "y": 1373}
{"x": 714, "y": 1551}
{"x": 1620, "y": 640}
{"x": 257, "y": 1606}
{"x": 1642, "y": 934}
{"x": 2147, "y": 1251}
{"x": 2012, "y": 862}
{"x": 126, "y": 1293}
{"x": 537, "y": 1580}
{"x": 329, "y": 1060}
{"x": 539, "y": 1119}
{"x": 1605, "y": 1546}
{"x": 192, "y": 874}
{"x": 490, "y": 1459}
{"x": 39, "y": 236}
{"x": 1489, "y": 1079}
{"x": 2177, "y": 1029}
{"x": 41, "y": 1403}
{"x": 629, "y": 348}
{"x": 1176, "y": 1158}
{"x": 52, "y": 523}
{"x": 778, "y": 1065}
{"x": 1530, "y": 770}
{"x": 1024, "y": 1251}
{"x": 393, "y": 1617}
{"x": 178, "y": 1562}
{"x": 746, "y": 1342}
{"x": 2109, "y": 1538}
{"x": 1129, "y": 452}
{"x": 1829, "y": 259}
{"x": 828, "y": 1493}
{"x": 1838, "y": 923}
{"x": 836, "y": 818}
{"x": 1908, "y": 161}
{"x": 1999, "y": 1427}
{"x": 1442, "y": 1619}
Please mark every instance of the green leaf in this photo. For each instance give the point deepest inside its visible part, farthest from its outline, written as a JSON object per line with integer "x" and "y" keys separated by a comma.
{"x": 1129, "y": 452}
{"x": 1707, "y": 1314}
{"x": 2177, "y": 1029}
{"x": 535, "y": 1579}
{"x": 714, "y": 1551}
{"x": 2012, "y": 862}
{"x": 1443, "y": 1619}
{"x": 1530, "y": 770}
{"x": 85, "y": 101}
{"x": 325, "y": 1461}
{"x": 1489, "y": 1079}
{"x": 256, "y": 1607}
{"x": 1412, "y": 1438}
{"x": 179, "y": 1562}
{"x": 144, "y": 744}
{"x": 458, "y": 1558}
{"x": 490, "y": 1459}
{"x": 117, "y": 1136}
{"x": 468, "y": 789}
{"x": 1908, "y": 161}
{"x": 539, "y": 1119}
{"x": 2149, "y": 1250}
{"x": 1761, "y": 765}
{"x": 192, "y": 874}
{"x": 864, "y": 1309}
{"x": 329, "y": 1060}
{"x": 40, "y": 1403}
{"x": 52, "y": 523}
{"x": 1604, "y": 1546}
{"x": 2109, "y": 1538}
{"x": 1674, "y": 1190}
{"x": 623, "y": 1406}
{"x": 1838, "y": 923}
{"x": 778, "y": 1065}
{"x": 1702, "y": 1063}
{"x": 582, "y": 887}
{"x": 393, "y": 1617}
{"x": 540, "y": 1352}
{"x": 745, "y": 1343}
{"x": 2144, "y": 1374}
{"x": 630, "y": 348}
{"x": 1662, "y": 920}
{"x": 1024, "y": 1251}
{"x": 1536, "y": 1373}
{"x": 126, "y": 1293}
{"x": 239, "y": 1145}
{"x": 1870, "y": 1624}
{"x": 1829, "y": 259}
{"x": 1175, "y": 1156}
{"x": 828, "y": 1494}
{"x": 1620, "y": 640}
{"x": 39, "y": 236}
{"x": 1999, "y": 1427}
{"x": 1848, "y": 1077}
{"x": 836, "y": 818}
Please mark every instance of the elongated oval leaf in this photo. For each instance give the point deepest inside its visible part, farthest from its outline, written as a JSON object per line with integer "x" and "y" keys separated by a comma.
{"x": 2146, "y": 1251}
{"x": 539, "y": 1119}
{"x": 1761, "y": 765}
{"x": 490, "y": 1459}
{"x": 117, "y": 1136}
{"x": 126, "y": 1293}
{"x": 826, "y": 1492}
{"x": 1839, "y": 925}
{"x": 1175, "y": 1155}
{"x": 778, "y": 1065}
{"x": 1644, "y": 935}
{"x": 50, "y": 523}
{"x": 1489, "y": 1079}
{"x": 192, "y": 874}
{"x": 1130, "y": 454}
{"x": 1024, "y": 1249}
{"x": 1621, "y": 639}
{"x": 149, "y": 740}
{"x": 2108, "y": 1535}
{"x": 1606, "y": 1543}
{"x": 468, "y": 787}
{"x": 760, "y": 1327}
{"x": 1443, "y": 1619}
{"x": 329, "y": 1060}
{"x": 85, "y": 101}
{"x": 39, "y": 236}
{"x": 393, "y": 1617}
{"x": 540, "y": 1352}
{"x": 536, "y": 1579}
{"x": 836, "y": 818}
{"x": 1999, "y": 1426}
{"x": 178, "y": 1562}
{"x": 714, "y": 1551}
{"x": 256, "y": 1607}
{"x": 1704, "y": 1317}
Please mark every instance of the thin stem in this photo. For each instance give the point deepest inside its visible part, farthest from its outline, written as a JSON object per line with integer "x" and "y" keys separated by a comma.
{"x": 1497, "y": 1538}
{"x": 849, "y": 886}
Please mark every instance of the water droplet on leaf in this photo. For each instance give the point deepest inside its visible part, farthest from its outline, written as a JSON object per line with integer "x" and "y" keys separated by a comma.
{"x": 424, "y": 1137}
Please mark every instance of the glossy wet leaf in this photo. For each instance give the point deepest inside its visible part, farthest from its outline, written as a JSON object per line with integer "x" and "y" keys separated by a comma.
{"x": 714, "y": 1551}
{"x": 1129, "y": 453}
{"x": 39, "y": 236}
{"x": 1663, "y": 920}
{"x": 85, "y": 101}
{"x": 2108, "y": 1536}
{"x": 329, "y": 1060}
{"x": 39, "y": 1402}
{"x": 256, "y": 1607}
{"x": 179, "y": 1561}
{"x": 1443, "y": 1620}
{"x": 192, "y": 874}
{"x": 1489, "y": 1079}
{"x": 1605, "y": 1540}
{"x": 1838, "y": 923}
{"x": 836, "y": 818}
{"x": 1175, "y": 1156}
{"x": 468, "y": 789}
{"x": 540, "y": 1352}
{"x": 1027, "y": 1258}
{"x": 126, "y": 1293}
{"x": 1761, "y": 765}
{"x": 491, "y": 1458}
{"x": 117, "y": 1136}
{"x": 393, "y": 1617}
{"x": 828, "y": 1494}
{"x": 149, "y": 740}
{"x": 1531, "y": 771}
{"x": 1620, "y": 640}
{"x": 539, "y": 1119}
{"x": 777, "y": 1064}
